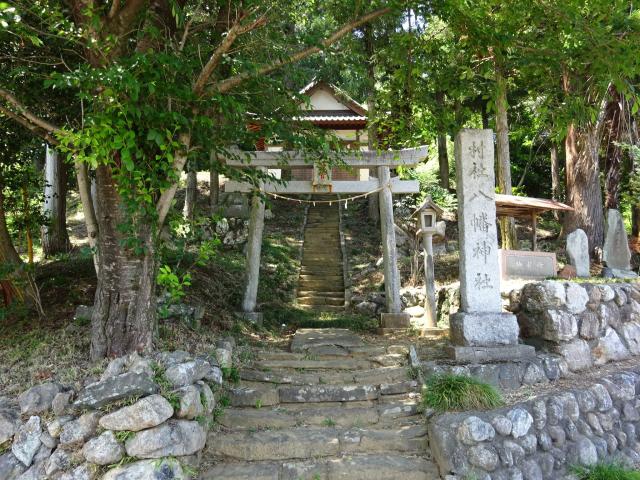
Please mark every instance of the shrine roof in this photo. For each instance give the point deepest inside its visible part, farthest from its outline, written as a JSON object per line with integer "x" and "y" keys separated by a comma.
{"x": 515, "y": 206}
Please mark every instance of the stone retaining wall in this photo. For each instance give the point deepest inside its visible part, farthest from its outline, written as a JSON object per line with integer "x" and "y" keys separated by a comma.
{"x": 540, "y": 439}
{"x": 146, "y": 417}
{"x": 587, "y": 324}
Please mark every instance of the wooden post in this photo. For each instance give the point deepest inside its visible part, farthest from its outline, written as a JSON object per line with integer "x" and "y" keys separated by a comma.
{"x": 431, "y": 314}
{"x": 534, "y": 233}
{"x": 254, "y": 250}
{"x": 389, "y": 252}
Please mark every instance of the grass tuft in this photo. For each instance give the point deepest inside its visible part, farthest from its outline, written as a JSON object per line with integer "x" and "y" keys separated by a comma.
{"x": 606, "y": 471}
{"x": 446, "y": 392}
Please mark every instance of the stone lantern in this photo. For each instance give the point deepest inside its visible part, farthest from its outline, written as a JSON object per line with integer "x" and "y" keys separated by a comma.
{"x": 429, "y": 226}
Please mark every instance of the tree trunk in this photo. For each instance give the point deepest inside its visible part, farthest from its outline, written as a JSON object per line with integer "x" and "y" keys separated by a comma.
{"x": 484, "y": 114}
{"x": 191, "y": 194}
{"x": 555, "y": 177}
{"x": 214, "y": 183}
{"x": 582, "y": 172}
{"x": 55, "y": 238}
{"x": 89, "y": 206}
{"x": 613, "y": 153}
{"x": 124, "y": 312}
{"x": 9, "y": 259}
{"x": 635, "y": 220}
{"x": 443, "y": 161}
{"x": 372, "y": 134}
{"x": 507, "y": 224}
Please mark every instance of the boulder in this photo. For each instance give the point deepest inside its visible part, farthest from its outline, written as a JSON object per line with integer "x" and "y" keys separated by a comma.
{"x": 559, "y": 326}
{"x": 81, "y": 472}
{"x": 10, "y": 466}
{"x": 59, "y": 461}
{"x": 76, "y": 432}
{"x": 630, "y": 333}
{"x": 166, "y": 469}
{"x": 521, "y": 422}
{"x": 147, "y": 412}
{"x": 475, "y": 430}
{"x": 484, "y": 457}
{"x": 190, "y": 403}
{"x": 609, "y": 348}
{"x": 183, "y": 374}
{"x": 502, "y": 425}
{"x": 126, "y": 385}
{"x": 606, "y": 293}
{"x": 587, "y": 453}
{"x": 577, "y": 298}
{"x": 103, "y": 450}
{"x": 206, "y": 397}
{"x": 223, "y": 355}
{"x": 576, "y": 353}
{"x": 9, "y": 422}
{"x": 540, "y": 296}
{"x": 54, "y": 427}
{"x": 616, "y": 253}
{"x": 60, "y": 402}
{"x": 578, "y": 252}
{"x": 367, "y": 308}
{"x": 38, "y": 399}
{"x": 173, "y": 438}
{"x": 590, "y": 326}
{"x": 27, "y": 441}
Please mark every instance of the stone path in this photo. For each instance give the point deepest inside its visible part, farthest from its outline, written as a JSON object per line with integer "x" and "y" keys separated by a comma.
{"x": 334, "y": 407}
{"x": 321, "y": 285}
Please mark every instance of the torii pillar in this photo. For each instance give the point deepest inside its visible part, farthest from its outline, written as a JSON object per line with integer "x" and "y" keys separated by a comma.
{"x": 254, "y": 252}
{"x": 393, "y": 318}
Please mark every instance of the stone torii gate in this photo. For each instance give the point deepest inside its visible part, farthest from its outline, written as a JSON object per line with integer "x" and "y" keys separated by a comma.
{"x": 322, "y": 183}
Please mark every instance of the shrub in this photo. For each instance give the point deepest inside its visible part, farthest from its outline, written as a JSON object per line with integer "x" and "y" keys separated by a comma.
{"x": 445, "y": 392}
{"x": 606, "y": 471}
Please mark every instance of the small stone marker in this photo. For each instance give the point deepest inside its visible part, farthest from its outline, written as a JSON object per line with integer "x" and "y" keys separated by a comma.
{"x": 527, "y": 265}
{"x": 616, "y": 253}
{"x": 480, "y": 331}
{"x": 578, "y": 252}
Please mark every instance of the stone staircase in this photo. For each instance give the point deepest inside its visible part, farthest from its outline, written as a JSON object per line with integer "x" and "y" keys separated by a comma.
{"x": 332, "y": 408}
{"x": 321, "y": 282}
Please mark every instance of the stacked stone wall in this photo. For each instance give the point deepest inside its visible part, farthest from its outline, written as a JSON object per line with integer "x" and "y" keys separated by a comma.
{"x": 146, "y": 417}
{"x": 542, "y": 438}
{"x": 587, "y": 324}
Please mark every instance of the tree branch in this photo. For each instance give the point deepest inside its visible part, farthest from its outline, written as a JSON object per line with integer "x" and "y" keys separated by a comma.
{"x": 164, "y": 202}
{"x": 115, "y": 7}
{"x": 216, "y": 57}
{"x": 232, "y": 82}
{"x": 22, "y": 115}
{"x": 126, "y": 15}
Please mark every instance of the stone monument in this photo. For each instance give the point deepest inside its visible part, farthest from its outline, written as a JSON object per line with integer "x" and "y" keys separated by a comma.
{"x": 480, "y": 331}
{"x": 578, "y": 252}
{"x": 616, "y": 253}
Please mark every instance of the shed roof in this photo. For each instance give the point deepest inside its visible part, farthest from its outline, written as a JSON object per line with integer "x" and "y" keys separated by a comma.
{"x": 514, "y": 206}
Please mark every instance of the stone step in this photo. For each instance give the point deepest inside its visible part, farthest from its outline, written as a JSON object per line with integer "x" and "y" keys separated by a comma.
{"x": 329, "y": 257}
{"x": 308, "y": 293}
{"x": 327, "y": 393}
{"x": 346, "y": 415}
{"x": 322, "y": 276}
{"x": 320, "y": 300}
{"x": 309, "y": 364}
{"x": 334, "y": 266}
{"x": 354, "y": 351}
{"x": 322, "y": 308}
{"x": 319, "y": 285}
{"x": 349, "y": 467}
{"x": 253, "y": 397}
{"x": 313, "y": 442}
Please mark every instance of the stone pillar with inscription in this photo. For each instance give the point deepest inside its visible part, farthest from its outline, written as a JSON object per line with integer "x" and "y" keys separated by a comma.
{"x": 480, "y": 331}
